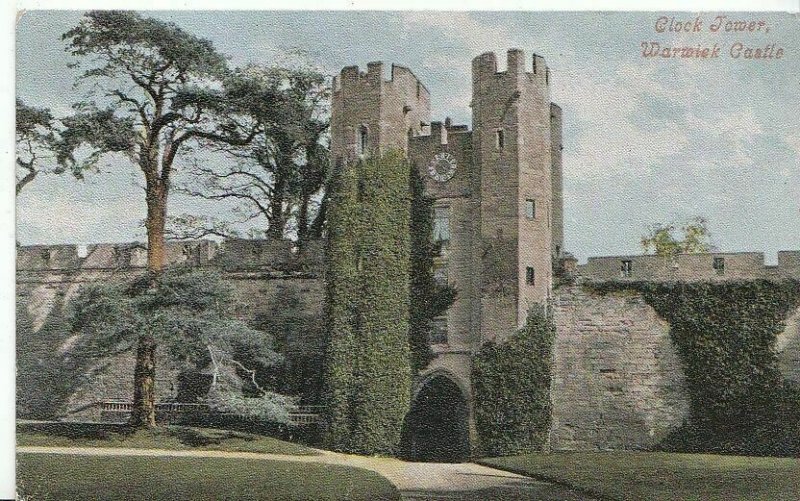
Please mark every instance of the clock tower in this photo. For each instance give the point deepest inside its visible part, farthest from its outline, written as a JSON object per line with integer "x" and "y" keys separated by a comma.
{"x": 496, "y": 188}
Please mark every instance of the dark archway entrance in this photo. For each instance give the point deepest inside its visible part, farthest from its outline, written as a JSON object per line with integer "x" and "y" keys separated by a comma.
{"x": 436, "y": 428}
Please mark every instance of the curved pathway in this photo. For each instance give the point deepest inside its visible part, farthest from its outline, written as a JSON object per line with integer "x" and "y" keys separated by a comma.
{"x": 429, "y": 481}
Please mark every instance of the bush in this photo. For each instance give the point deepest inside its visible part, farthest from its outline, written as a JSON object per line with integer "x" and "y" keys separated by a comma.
{"x": 511, "y": 387}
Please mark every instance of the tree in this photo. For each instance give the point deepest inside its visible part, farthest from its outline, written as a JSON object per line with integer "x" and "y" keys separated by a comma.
{"x": 278, "y": 177}
{"x": 670, "y": 239}
{"x": 368, "y": 373}
{"x": 155, "y": 91}
{"x": 35, "y": 136}
{"x": 188, "y": 312}
{"x": 428, "y": 298}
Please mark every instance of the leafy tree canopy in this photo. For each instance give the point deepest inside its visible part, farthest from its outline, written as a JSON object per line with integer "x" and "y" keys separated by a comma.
{"x": 669, "y": 239}
{"x": 188, "y": 312}
{"x": 278, "y": 177}
{"x": 35, "y": 136}
{"x": 152, "y": 88}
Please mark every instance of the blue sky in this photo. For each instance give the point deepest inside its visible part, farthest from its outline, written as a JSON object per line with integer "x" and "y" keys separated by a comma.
{"x": 646, "y": 140}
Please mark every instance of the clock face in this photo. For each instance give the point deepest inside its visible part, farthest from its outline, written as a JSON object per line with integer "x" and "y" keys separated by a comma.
{"x": 443, "y": 167}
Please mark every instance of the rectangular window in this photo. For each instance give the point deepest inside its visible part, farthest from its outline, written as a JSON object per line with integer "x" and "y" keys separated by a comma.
{"x": 626, "y": 268}
{"x": 530, "y": 209}
{"x": 441, "y": 225}
{"x": 362, "y": 141}
{"x": 499, "y": 140}
{"x": 719, "y": 265}
{"x": 438, "y": 333}
{"x": 440, "y": 275}
{"x": 530, "y": 276}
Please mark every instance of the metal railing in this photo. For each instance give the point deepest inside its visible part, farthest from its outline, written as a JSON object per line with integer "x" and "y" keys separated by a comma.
{"x": 301, "y": 415}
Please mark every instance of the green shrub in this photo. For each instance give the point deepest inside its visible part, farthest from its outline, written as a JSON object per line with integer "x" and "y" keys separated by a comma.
{"x": 511, "y": 387}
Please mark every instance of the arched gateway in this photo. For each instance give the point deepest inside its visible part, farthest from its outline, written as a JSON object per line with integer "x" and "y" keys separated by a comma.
{"x": 437, "y": 426}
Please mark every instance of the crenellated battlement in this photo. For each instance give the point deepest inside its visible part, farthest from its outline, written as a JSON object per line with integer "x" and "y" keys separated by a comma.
{"x": 231, "y": 254}
{"x": 691, "y": 267}
{"x": 485, "y": 65}
{"x": 351, "y": 77}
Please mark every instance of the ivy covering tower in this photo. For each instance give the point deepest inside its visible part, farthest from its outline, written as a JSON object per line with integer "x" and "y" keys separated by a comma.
{"x": 367, "y": 300}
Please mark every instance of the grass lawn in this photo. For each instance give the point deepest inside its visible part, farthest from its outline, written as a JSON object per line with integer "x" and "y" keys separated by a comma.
{"x": 661, "y": 475}
{"x": 72, "y": 477}
{"x": 166, "y": 437}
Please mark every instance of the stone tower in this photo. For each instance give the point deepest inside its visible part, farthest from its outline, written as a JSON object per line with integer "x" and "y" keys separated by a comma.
{"x": 511, "y": 140}
{"x": 372, "y": 114}
{"x": 497, "y": 187}
{"x": 497, "y": 201}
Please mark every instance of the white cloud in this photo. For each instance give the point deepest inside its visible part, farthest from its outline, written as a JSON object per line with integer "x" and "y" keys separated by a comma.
{"x": 608, "y": 108}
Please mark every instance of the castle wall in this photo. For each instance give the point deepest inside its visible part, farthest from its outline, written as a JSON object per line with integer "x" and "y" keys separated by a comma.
{"x": 511, "y": 141}
{"x": 456, "y": 257}
{"x": 390, "y": 110}
{"x": 692, "y": 267}
{"x": 617, "y": 380}
{"x": 788, "y": 347}
{"x": 272, "y": 286}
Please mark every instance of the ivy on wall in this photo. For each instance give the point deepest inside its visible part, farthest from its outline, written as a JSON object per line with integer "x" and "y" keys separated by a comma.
{"x": 368, "y": 374}
{"x": 725, "y": 335}
{"x": 511, "y": 389}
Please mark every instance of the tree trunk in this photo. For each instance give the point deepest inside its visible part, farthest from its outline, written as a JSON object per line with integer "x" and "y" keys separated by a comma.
{"x": 277, "y": 223}
{"x": 143, "y": 414}
{"x": 156, "y": 220}
{"x": 302, "y": 219}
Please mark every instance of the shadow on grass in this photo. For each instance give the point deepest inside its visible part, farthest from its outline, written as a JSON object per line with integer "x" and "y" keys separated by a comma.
{"x": 78, "y": 431}
{"x": 191, "y": 437}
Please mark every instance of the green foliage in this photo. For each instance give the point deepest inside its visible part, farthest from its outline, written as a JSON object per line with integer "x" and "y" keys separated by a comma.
{"x": 511, "y": 387}
{"x": 298, "y": 334}
{"x": 188, "y": 312}
{"x": 117, "y": 40}
{"x": 663, "y": 239}
{"x": 725, "y": 335}
{"x": 428, "y": 299}
{"x": 368, "y": 375}
{"x": 152, "y": 86}
{"x": 276, "y": 178}
{"x": 35, "y": 137}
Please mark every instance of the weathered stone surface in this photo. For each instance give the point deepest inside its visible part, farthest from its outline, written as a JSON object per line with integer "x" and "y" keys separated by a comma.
{"x": 617, "y": 381}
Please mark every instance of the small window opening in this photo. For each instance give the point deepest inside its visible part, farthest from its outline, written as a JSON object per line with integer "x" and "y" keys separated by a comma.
{"x": 441, "y": 225}
{"x": 530, "y": 209}
{"x": 719, "y": 265}
{"x": 530, "y": 276}
{"x": 500, "y": 139}
{"x": 363, "y": 140}
{"x": 626, "y": 268}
